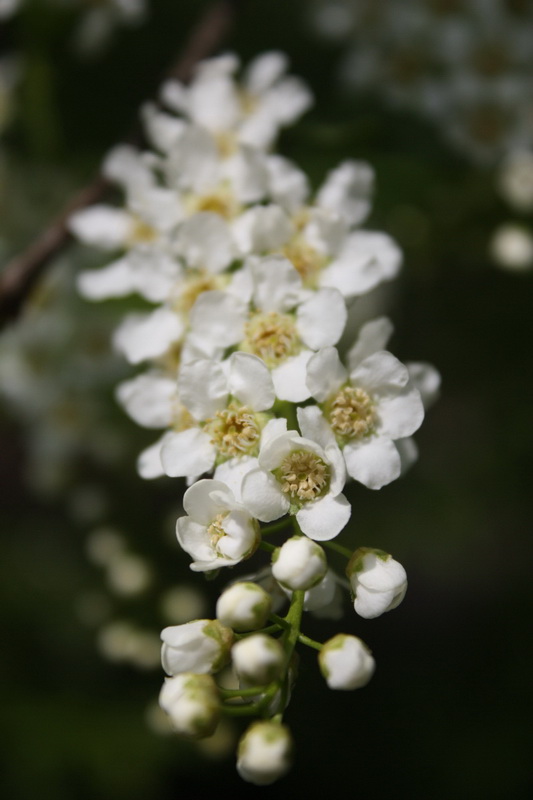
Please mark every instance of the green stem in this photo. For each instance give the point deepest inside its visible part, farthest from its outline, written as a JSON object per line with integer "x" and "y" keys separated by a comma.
{"x": 338, "y": 549}
{"x": 276, "y": 526}
{"x": 309, "y": 642}
{"x": 267, "y": 546}
{"x": 251, "y": 692}
{"x": 281, "y": 622}
{"x": 294, "y": 618}
{"x": 270, "y": 629}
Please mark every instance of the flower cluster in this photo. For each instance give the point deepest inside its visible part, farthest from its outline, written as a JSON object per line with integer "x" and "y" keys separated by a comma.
{"x": 250, "y": 277}
{"x": 463, "y": 64}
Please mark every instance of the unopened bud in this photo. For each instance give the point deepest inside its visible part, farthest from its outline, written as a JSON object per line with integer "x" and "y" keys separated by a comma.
{"x": 244, "y": 606}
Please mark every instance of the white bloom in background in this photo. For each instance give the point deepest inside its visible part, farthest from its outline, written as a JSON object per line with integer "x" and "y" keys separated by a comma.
{"x": 364, "y": 411}
{"x": 202, "y": 646}
{"x": 512, "y": 247}
{"x": 299, "y": 563}
{"x": 142, "y": 336}
{"x": 192, "y": 703}
{"x": 297, "y": 476}
{"x": 218, "y": 531}
{"x": 516, "y": 179}
{"x": 226, "y": 401}
{"x": 264, "y": 753}
{"x": 347, "y": 191}
{"x": 258, "y": 659}
{"x": 346, "y": 662}
{"x": 244, "y": 606}
{"x": 151, "y": 399}
{"x": 378, "y": 582}
{"x": 286, "y": 323}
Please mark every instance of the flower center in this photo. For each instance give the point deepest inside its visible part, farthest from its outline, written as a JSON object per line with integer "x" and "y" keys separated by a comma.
{"x": 215, "y": 531}
{"x": 234, "y": 432}
{"x": 142, "y": 233}
{"x": 220, "y": 201}
{"x": 271, "y": 336}
{"x": 351, "y": 414}
{"x": 303, "y": 475}
{"x": 305, "y": 260}
{"x": 189, "y": 290}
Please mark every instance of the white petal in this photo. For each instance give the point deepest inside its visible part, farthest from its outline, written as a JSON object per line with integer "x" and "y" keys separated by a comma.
{"x": 149, "y": 399}
{"x": 115, "y": 280}
{"x": 264, "y": 71}
{"x": 286, "y": 100}
{"x": 250, "y": 382}
{"x": 373, "y": 336}
{"x": 213, "y": 102}
{"x": 193, "y": 538}
{"x": 246, "y": 171}
{"x": 374, "y": 462}
{"x": 290, "y": 378}
{"x": 401, "y": 413}
{"x": 219, "y": 317}
{"x": 426, "y": 379}
{"x": 325, "y": 518}
{"x": 325, "y": 231}
{"x": 125, "y": 166}
{"x": 321, "y": 319}
{"x": 379, "y": 372}
{"x": 163, "y": 130}
{"x": 288, "y": 185}
{"x": 262, "y": 496}
{"x": 408, "y": 450}
{"x": 325, "y": 373}
{"x": 274, "y": 428}
{"x": 193, "y": 162}
{"x": 365, "y": 260}
{"x": 277, "y": 285}
{"x": 102, "y": 226}
{"x": 204, "y": 242}
{"x": 233, "y": 472}
{"x": 347, "y": 191}
{"x": 261, "y": 228}
{"x": 203, "y": 388}
{"x": 205, "y": 499}
{"x": 142, "y": 336}
{"x": 149, "y": 464}
{"x": 154, "y": 273}
{"x": 186, "y": 453}
{"x": 314, "y": 426}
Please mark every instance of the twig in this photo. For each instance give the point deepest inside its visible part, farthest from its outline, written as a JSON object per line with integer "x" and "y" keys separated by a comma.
{"x": 22, "y": 272}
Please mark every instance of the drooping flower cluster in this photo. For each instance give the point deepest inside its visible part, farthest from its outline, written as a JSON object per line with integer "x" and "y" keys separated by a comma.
{"x": 250, "y": 277}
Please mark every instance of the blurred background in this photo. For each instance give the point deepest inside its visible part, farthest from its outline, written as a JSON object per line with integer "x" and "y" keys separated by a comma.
{"x": 437, "y": 96}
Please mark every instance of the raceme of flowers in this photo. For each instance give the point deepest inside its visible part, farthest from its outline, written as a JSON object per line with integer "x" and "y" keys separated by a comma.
{"x": 249, "y": 278}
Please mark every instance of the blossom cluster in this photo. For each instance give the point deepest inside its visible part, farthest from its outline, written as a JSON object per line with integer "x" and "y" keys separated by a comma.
{"x": 464, "y": 64}
{"x": 249, "y": 279}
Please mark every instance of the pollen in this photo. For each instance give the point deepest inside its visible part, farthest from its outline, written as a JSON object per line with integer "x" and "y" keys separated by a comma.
{"x": 215, "y": 530}
{"x": 142, "y": 233}
{"x": 351, "y": 413}
{"x": 234, "y": 432}
{"x": 221, "y": 201}
{"x": 305, "y": 260}
{"x": 303, "y": 475}
{"x": 271, "y": 336}
{"x": 193, "y": 287}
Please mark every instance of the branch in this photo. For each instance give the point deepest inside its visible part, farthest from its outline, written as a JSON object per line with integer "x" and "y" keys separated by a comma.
{"x": 22, "y": 272}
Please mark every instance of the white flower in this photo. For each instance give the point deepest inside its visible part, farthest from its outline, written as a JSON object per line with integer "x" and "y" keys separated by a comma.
{"x": 226, "y": 401}
{"x": 244, "y": 606}
{"x": 271, "y": 316}
{"x": 264, "y": 753}
{"x": 218, "y": 531}
{"x": 150, "y": 399}
{"x": 295, "y": 475}
{"x": 191, "y": 701}
{"x": 202, "y": 646}
{"x": 379, "y": 583}
{"x": 512, "y": 247}
{"x": 142, "y": 336}
{"x": 299, "y": 563}
{"x": 346, "y": 662}
{"x": 364, "y": 411}
{"x": 347, "y": 191}
{"x": 258, "y": 659}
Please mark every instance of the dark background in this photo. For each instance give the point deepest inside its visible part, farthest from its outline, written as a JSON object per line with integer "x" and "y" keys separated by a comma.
{"x": 448, "y": 713}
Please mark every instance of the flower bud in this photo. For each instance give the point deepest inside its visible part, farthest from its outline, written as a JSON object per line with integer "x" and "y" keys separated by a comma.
{"x": 264, "y": 753}
{"x": 258, "y": 659}
{"x": 299, "y": 563}
{"x": 191, "y": 701}
{"x": 200, "y": 646}
{"x": 345, "y": 662}
{"x": 378, "y": 582}
{"x": 244, "y": 606}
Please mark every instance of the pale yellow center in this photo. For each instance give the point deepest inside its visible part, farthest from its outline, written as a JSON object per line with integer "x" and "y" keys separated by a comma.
{"x": 351, "y": 413}
{"x": 189, "y": 291}
{"x": 234, "y": 431}
{"x": 303, "y": 475}
{"x": 215, "y": 531}
{"x": 220, "y": 201}
{"x": 142, "y": 233}
{"x": 305, "y": 260}
{"x": 271, "y": 336}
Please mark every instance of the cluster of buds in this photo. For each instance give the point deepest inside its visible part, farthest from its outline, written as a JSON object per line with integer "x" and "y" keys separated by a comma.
{"x": 250, "y": 278}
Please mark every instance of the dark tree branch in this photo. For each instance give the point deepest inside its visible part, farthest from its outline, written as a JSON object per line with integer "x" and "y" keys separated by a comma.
{"x": 22, "y": 272}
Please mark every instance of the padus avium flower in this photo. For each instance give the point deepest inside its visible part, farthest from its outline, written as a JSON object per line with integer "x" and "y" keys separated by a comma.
{"x": 346, "y": 662}
{"x": 244, "y": 606}
{"x": 191, "y": 701}
{"x": 378, "y": 582}
{"x": 264, "y": 752}
{"x": 202, "y": 646}
{"x": 299, "y": 563}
